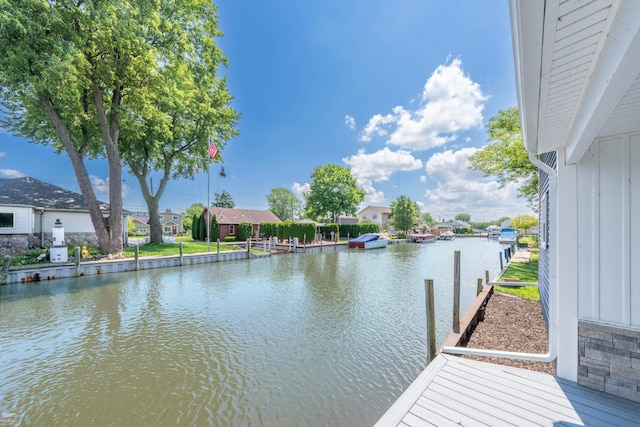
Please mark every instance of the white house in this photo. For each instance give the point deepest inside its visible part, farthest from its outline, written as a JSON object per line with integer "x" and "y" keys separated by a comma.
{"x": 578, "y": 85}
{"x": 30, "y": 207}
{"x": 380, "y": 215}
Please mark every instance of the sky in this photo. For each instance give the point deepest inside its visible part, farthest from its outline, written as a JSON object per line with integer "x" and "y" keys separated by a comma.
{"x": 398, "y": 92}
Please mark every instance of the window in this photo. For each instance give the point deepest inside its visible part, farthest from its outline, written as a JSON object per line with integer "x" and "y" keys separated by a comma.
{"x": 6, "y": 220}
{"x": 364, "y": 216}
{"x": 161, "y": 217}
{"x": 175, "y": 217}
{"x": 375, "y": 216}
{"x": 232, "y": 230}
{"x": 167, "y": 229}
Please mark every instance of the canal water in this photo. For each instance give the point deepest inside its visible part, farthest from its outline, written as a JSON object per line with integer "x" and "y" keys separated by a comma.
{"x": 307, "y": 339}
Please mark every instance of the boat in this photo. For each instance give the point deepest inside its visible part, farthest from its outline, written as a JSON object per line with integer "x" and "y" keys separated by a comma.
{"x": 508, "y": 236}
{"x": 423, "y": 238}
{"x": 446, "y": 235}
{"x": 369, "y": 241}
{"x": 493, "y": 232}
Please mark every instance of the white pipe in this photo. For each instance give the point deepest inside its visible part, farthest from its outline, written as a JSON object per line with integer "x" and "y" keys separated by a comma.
{"x": 553, "y": 304}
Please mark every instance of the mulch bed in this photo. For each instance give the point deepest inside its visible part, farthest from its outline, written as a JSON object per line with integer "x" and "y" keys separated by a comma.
{"x": 512, "y": 324}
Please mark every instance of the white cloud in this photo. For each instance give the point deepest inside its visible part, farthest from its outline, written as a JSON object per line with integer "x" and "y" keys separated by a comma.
{"x": 423, "y": 178}
{"x": 350, "y": 122}
{"x": 371, "y": 195}
{"x": 380, "y": 165}
{"x": 450, "y": 102}
{"x": 463, "y": 190}
{"x": 11, "y": 173}
{"x": 101, "y": 186}
{"x": 300, "y": 189}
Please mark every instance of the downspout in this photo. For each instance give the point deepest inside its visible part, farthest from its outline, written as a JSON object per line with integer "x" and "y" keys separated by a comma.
{"x": 553, "y": 303}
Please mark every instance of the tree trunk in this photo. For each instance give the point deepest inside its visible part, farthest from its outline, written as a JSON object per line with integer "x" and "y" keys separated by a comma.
{"x": 80, "y": 170}
{"x": 152, "y": 200}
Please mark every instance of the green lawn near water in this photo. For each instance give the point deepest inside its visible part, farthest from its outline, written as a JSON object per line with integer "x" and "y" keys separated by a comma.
{"x": 524, "y": 272}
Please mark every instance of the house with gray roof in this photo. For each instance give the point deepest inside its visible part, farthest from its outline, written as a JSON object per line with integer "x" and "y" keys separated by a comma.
{"x": 30, "y": 207}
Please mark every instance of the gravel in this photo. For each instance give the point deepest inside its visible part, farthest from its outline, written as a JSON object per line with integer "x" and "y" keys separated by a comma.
{"x": 512, "y": 324}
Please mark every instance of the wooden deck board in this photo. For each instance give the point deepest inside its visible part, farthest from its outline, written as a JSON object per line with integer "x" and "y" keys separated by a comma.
{"x": 457, "y": 391}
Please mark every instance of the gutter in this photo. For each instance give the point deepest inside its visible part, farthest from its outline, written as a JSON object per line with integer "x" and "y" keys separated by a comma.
{"x": 553, "y": 303}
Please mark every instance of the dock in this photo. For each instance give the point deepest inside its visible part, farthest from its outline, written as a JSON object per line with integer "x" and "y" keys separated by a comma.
{"x": 453, "y": 391}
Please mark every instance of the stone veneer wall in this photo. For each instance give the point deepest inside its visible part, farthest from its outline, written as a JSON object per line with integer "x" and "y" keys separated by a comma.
{"x": 609, "y": 359}
{"x": 18, "y": 243}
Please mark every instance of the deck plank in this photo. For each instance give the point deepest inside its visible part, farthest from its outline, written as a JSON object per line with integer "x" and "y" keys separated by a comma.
{"x": 458, "y": 391}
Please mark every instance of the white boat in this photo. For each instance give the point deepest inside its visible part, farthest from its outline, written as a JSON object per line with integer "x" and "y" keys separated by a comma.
{"x": 446, "y": 235}
{"x": 423, "y": 238}
{"x": 493, "y": 232}
{"x": 369, "y": 241}
{"x": 508, "y": 236}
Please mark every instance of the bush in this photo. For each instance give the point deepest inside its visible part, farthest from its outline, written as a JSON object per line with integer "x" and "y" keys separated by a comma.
{"x": 245, "y": 230}
{"x": 230, "y": 239}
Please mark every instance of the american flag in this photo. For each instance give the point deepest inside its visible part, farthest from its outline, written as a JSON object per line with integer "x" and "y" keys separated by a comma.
{"x": 213, "y": 150}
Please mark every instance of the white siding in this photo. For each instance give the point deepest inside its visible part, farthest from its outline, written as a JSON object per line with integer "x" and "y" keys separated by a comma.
{"x": 72, "y": 222}
{"x": 608, "y": 223}
{"x": 22, "y": 220}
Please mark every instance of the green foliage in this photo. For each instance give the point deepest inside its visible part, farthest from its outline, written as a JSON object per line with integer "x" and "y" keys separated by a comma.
{"x": 131, "y": 229}
{"x": 506, "y": 158}
{"x": 194, "y": 228}
{"x": 332, "y": 192}
{"x": 213, "y": 229}
{"x": 335, "y": 228}
{"x": 284, "y": 204}
{"x": 355, "y": 230}
{"x": 223, "y": 200}
{"x": 202, "y": 228}
{"x": 230, "y": 238}
{"x": 463, "y": 217}
{"x": 190, "y": 214}
{"x": 426, "y": 217}
{"x": 526, "y": 292}
{"x": 524, "y": 222}
{"x": 268, "y": 229}
{"x": 403, "y": 213}
{"x": 245, "y": 230}
{"x": 463, "y": 231}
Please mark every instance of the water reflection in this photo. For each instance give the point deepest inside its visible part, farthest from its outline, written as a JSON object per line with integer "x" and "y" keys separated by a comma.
{"x": 326, "y": 339}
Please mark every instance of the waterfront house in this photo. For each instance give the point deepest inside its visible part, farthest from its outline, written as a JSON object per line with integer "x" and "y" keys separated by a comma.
{"x": 229, "y": 219}
{"x": 458, "y": 225}
{"x": 170, "y": 222}
{"x": 578, "y": 86}
{"x": 380, "y": 215}
{"x": 29, "y": 208}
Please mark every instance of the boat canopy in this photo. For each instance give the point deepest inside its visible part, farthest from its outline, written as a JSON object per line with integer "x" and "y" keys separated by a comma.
{"x": 366, "y": 238}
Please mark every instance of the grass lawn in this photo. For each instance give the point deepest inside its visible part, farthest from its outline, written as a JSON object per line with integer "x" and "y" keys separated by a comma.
{"x": 189, "y": 246}
{"x": 525, "y": 272}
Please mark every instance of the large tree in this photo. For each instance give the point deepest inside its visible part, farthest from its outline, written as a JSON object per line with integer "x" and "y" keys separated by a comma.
{"x": 196, "y": 210}
{"x": 332, "y": 192}
{"x": 223, "y": 200}
{"x": 524, "y": 222}
{"x": 66, "y": 71}
{"x": 183, "y": 108}
{"x": 284, "y": 203}
{"x": 463, "y": 217}
{"x": 506, "y": 158}
{"x": 404, "y": 212}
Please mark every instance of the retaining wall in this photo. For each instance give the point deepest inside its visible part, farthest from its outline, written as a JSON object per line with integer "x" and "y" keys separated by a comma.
{"x": 92, "y": 268}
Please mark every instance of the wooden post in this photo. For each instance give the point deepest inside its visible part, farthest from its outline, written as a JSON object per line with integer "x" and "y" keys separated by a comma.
{"x": 486, "y": 277}
{"x": 456, "y": 291}
{"x": 137, "y": 266}
{"x": 501, "y": 265}
{"x": 479, "y": 286}
{"x": 76, "y": 256}
{"x": 218, "y": 255}
{"x": 181, "y": 256}
{"x": 431, "y": 320}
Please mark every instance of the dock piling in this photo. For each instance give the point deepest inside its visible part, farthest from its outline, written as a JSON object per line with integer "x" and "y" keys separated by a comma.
{"x": 431, "y": 320}
{"x": 456, "y": 291}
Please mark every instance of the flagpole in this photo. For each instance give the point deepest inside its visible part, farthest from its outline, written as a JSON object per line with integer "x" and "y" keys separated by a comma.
{"x": 208, "y": 208}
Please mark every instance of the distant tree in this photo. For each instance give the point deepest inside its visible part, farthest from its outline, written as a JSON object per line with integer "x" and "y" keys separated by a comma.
{"x": 188, "y": 215}
{"x": 524, "y": 222}
{"x": 131, "y": 229}
{"x": 463, "y": 217}
{"x": 223, "y": 200}
{"x": 284, "y": 204}
{"x": 501, "y": 220}
{"x": 403, "y": 213}
{"x": 506, "y": 158}
{"x": 428, "y": 218}
{"x": 194, "y": 227}
{"x": 332, "y": 192}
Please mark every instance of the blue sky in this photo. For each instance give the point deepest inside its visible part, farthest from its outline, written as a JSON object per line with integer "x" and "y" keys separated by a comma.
{"x": 399, "y": 92}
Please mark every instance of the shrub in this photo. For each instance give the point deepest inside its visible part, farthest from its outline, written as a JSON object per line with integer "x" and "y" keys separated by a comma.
{"x": 230, "y": 239}
{"x": 245, "y": 230}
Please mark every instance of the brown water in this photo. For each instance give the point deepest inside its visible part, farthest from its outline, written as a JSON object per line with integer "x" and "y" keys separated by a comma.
{"x": 315, "y": 339}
